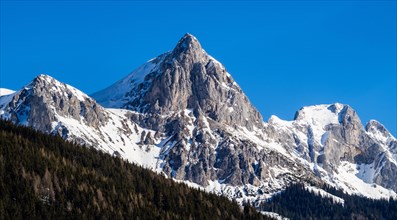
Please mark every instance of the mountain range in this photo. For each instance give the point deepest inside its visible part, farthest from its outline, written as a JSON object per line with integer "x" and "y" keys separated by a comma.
{"x": 183, "y": 115}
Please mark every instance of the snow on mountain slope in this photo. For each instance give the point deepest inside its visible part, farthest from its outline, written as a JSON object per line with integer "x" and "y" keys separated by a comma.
{"x": 320, "y": 115}
{"x": 4, "y": 91}
{"x": 6, "y": 96}
{"x": 352, "y": 181}
{"x": 117, "y": 95}
{"x": 119, "y": 137}
{"x": 323, "y": 193}
{"x": 317, "y": 118}
{"x": 378, "y": 132}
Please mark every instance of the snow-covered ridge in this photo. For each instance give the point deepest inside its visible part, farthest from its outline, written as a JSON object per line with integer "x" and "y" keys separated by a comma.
{"x": 4, "y": 91}
{"x": 5, "y": 96}
{"x": 378, "y": 131}
{"x": 59, "y": 87}
{"x": 319, "y": 114}
{"x": 114, "y": 96}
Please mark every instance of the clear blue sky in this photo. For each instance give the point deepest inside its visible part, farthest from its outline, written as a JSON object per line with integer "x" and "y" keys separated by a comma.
{"x": 284, "y": 54}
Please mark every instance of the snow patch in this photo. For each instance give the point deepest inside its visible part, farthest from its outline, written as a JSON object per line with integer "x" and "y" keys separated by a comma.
{"x": 325, "y": 194}
{"x": 274, "y": 215}
{"x": 366, "y": 172}
{"x": 347, "y": 178}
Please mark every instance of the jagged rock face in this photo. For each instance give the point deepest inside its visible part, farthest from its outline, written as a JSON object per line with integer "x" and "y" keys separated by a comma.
{"x": 44, "y": 99}
{"x": 379, "y": 132}
{"x": 202, "y": 155}
{"x": 343, "y": 142}
{"x": 186, "y": 78}
{"x": 385, "y": 155}
{"x": 386, "y": 175}
{"x": 328, "y": 135}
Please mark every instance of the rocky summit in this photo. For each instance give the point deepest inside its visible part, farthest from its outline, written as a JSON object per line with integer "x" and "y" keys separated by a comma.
{"x": 185, "y": 78}
{"x": 183, "y": 115}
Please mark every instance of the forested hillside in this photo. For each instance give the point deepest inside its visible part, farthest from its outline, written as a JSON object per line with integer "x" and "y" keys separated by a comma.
{"x": 44, "y": 177}
{"x": 297, "y": 202}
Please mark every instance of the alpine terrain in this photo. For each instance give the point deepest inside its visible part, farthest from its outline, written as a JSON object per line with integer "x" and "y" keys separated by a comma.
{"x": 183, "y": 115}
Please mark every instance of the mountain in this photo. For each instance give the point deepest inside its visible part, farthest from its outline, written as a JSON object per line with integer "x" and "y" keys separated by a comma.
{"x": 333, "y": 141}
{"x": 215, "y": 132}
{"x": 57, "y": 108}
{"x": 183, "y": 115}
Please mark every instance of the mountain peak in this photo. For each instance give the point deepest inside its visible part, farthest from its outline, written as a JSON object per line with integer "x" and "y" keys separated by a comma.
{"x": 374, "y": 124}
{"x": 45, "y": 100}
{"x": 186, "y": 78}
{"x": 43, "y": 78}
{"x": 378, "y": 130}
{"x": 188, "y": 44}
{"x": 308, "y": 113}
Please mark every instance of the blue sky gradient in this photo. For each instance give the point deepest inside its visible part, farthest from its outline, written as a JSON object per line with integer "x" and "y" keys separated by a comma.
{"x": 284, "y": 54}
